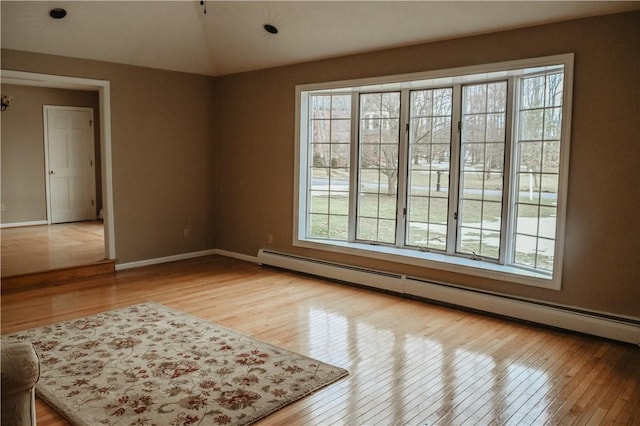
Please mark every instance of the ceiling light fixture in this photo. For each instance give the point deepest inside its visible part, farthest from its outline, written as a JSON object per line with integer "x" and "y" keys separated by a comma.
{"x": 270, "y": 29}
{"x": 57, "y": 13}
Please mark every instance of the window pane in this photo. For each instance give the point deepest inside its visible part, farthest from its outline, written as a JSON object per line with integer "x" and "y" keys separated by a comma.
{"x": 473, "y": 156}
{"x": 341, "y": 106}
{"x": 429, "y": 153}
{"x": 533, "y": 89}
{"x": 530, "y": 125}
{"x": 554, "y": 89}
{"x": 320, "y": 131}
{"x": 527, "y": 219}
{"x": 421, "y": 129}
{"x": 469, "y": 240}
{"x": 534, "y": 252}
{"x": 420, "y": 183}
{"x": 551, "y": 158}
{"x": 549, "y": 193}
{"x": 338, "y": 181}
{"x": 390, "y": 134}
{"x": 367, "y": 229}
{"x": 339, "y": 204}
{"x": 474, "y": 128}
{"x": 528, "y": 188}
{"x": 439, "y": 186}
{"x": 319, "y": 225}
{"x": 491, "y": 215}
{"x": 390, "y": 104}
{"x": 421, "y": 103}
{"x": 470, "y": 213}
{"x": 340, "y": 155}
{"x": 540, "y": 119}
{"x": 338, "y": 227}
{"x": 328, "y": 190}
{"x": 481, "y": 182}
{"x": 526, "y": 250}
{"x": 437, "y": 236}
{"x": 340, "y": 131}
{"x": 387, "y": 231}
{"x": 475, "y": 99}
{"x": 547, "y": 222}
{"x": 495, "y": 127}
{"x": 370, "y": 105}
{"x": 552, "y": 123}
{"x": 387, "y": 207}
{"x": 320, "y": 107}
{"x": 438, "y": 210}
{"x": 370, "y": 181}
{"x": 368, "y": 205}
{"x": 496, "y": 93}
{"x": 545, "y": 254}
{"x": 441, "y": 102}
{"x": 530, "y": 156}
{"x": 417, "y": 234}
{"x": 441, "y": 131}
{"x": 472, "y": 188}
{"x": 378, "y": 166}
{"x": 489, "y": 244}
{"x": 319, "y": 202}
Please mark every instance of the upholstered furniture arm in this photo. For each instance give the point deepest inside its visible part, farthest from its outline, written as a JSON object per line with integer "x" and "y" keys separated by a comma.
{"x": 20, "y": 372}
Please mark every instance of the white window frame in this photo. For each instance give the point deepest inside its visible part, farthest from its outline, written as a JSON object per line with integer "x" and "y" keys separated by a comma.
{"x": 434, "y": 260}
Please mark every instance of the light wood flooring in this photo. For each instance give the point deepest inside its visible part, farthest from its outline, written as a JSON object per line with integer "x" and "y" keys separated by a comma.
{"x": 30, "y": 249}
{"x": 409, "y": 362}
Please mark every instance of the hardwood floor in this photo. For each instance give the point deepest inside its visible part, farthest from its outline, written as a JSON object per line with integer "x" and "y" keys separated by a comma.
{"x": 409, "y": 362}
{"x": 31, "y": 249}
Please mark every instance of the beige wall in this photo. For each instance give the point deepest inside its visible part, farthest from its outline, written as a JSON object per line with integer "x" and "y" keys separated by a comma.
{"x": 602, "y": 259}
{"x": 23, "y": 157}
{"x": 163, "y": 153}
{"x": 177, "y": 136}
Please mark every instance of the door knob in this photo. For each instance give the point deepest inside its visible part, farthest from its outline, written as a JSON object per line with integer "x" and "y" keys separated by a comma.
{"x": 52, "y": 172}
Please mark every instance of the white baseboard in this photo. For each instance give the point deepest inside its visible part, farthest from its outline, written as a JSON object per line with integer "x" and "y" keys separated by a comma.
{"x": 602, "y": 324}
{"x": 166, "y": 259}
{"x": 246, "y": 258}
{"x": 21, "y": 224}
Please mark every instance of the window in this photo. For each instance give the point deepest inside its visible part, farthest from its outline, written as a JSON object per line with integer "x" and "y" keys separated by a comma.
{"x": 463, "y": 169}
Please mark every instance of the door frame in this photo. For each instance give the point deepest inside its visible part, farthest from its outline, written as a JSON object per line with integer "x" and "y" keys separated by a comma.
{"x": 103, "y": 87}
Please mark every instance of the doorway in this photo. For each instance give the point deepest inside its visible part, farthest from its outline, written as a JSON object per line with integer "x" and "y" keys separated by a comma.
{"x": 103, "y": 89}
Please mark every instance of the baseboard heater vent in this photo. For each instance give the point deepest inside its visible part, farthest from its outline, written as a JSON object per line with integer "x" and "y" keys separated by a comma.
{"x": 347, "y": 273}
{"x": 625, "y": 329}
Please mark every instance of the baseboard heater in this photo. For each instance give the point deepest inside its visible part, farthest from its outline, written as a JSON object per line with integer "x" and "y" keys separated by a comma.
{"x": 594, "y": 323}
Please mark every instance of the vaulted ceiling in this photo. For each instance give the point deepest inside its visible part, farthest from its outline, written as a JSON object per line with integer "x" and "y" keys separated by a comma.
{"x": 230, "y": 37}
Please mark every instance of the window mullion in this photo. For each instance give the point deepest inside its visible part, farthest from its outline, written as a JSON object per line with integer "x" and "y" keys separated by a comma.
{"x": 510, "y": 164}
{"x": 353, "y": 166}
{"x": 454, "y": 174}
{"x": 403, "y": 155}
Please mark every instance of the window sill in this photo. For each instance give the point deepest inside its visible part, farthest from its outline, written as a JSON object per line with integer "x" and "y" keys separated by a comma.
{"x": 436, "y": 261}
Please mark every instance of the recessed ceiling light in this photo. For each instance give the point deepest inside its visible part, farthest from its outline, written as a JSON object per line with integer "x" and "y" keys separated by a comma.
{"x": 57, "y": 13}
{"x": 270, "y": 29}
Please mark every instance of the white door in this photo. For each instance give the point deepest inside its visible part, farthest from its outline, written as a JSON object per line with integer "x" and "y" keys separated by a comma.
{"x": 70, "y": 163}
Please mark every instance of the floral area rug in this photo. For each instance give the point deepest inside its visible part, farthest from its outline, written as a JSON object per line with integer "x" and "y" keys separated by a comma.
{"x": 150, "y": 365}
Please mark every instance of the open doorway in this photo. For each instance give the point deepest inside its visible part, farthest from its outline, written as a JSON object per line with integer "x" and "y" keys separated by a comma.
{"x": 82, "y": 235}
